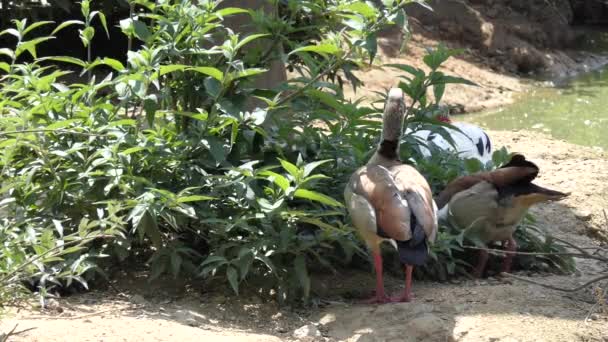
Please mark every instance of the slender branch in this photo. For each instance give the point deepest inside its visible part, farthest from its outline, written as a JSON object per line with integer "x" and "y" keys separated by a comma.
{"x": 10, "y": 333}
{"x": 42, "y": 130}
{"x": 592, "y": 281}
{"x": 501, "y": 252}
{"x": 308, "y": 84}
{"x": 4, "y": 338}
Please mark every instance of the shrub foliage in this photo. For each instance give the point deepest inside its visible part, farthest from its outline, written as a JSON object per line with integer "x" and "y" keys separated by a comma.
{"x": 162, "y": 155}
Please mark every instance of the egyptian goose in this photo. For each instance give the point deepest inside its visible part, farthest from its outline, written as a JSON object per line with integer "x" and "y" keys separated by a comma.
{"x": 388, "y": 200}
{"x": 490, "y": 205}
{"x": 474, "y": 143}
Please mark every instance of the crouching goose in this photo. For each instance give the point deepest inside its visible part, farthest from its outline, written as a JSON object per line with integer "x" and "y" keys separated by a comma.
{"x": 388, "y": 200}
{"x": 471, "y": 142}
{"x": 490, "y": 205}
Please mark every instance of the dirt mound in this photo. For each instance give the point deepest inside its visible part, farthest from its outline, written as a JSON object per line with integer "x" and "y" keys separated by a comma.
{"x": 524, "y": 37}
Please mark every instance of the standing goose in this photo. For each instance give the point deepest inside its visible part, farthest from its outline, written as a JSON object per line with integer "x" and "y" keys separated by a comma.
{"x": 490, "y": 205}
{"x": 388, "y": 200}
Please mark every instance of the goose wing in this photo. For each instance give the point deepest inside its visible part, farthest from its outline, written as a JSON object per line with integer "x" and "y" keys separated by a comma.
{"x": 417, "y": 193}
{"x": 376, "y": 205}
{"x": 518, "y": 170}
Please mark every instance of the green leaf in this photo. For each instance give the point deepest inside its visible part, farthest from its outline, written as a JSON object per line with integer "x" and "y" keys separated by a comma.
{"x": 166, "y": 69}
{"x": 113, "y": 63}
{"x": 213, "y": 87}
{"x": 65, "y": 59}
{"x": 30, "y": 46}
{"x": 149, "y": 225}
{"x": 232, "y": 276}
{"x": 5, "y": 67}
{"x": 66, "y": 24}
{"x": 216, "y": 147}
{"x": 194, "y": 198}
{"x": 301, "y": 272}
{"x": 277, "y": 179}
{"x": 87, "y": 35}
{"x": 407, "y": 68}
{"x": 320, "y": 49}
{"x": 327, "y": 99}
{"x": 212, "y": 259}
{"x": 104, "y": 23}
{"x": 123, "y": 122}
{"x": 7, "y": 52}
{"x": 141, "y": 30}
{"x": 248, "y": 72}
{"x": 452, "y": 79}
{"x": 473, "y": 165}
{"x": 362, "y": 8}
{"x": 292, "y": 169}
{"x": 11, "y": 31}
{"x": 150, "y": 107}
{"x": 308, "y": 168}
{"x": 371, "y": 45}
{"x": 133, "y": 150}
{"x": 62, "y": 124}
{"x": 35, "y": 25}
{"x": 249, "y": 39}
{"x": 58, "y": 227}
{"x": 317, "y": 197}
{"x": 209, "y": 71}
{"x": 438, "y": 90}
{"x": 224, "y": 12}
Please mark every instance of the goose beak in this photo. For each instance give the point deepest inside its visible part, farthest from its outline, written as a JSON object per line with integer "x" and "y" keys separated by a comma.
{"x": 540, "y": 195}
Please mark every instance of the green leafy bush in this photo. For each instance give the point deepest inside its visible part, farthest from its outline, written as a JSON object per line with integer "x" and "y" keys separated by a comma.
{"x": 164, "y": 157}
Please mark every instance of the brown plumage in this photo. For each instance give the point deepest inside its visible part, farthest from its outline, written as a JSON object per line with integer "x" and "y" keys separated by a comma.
{"x": 388, "y": 200}
{"x": 490, "y": 205}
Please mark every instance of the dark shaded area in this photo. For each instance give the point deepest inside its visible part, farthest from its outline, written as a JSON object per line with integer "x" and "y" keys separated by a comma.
{"x": 67, "y": 41}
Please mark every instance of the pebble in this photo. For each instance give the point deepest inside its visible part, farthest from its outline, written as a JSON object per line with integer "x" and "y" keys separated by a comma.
{"x": 138, "y": 299}
{"x": 309, "y": 330}
{"x": 583, "y": 215}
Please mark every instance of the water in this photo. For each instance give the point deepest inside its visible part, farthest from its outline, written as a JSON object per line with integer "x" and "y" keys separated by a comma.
{"x": 576, "y": 111}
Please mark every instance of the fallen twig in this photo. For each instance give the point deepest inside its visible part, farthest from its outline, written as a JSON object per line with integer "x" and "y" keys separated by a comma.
{"x": 501, "y": 252}
{"x": 5, "y": 337}
{"x": 592, "y": 281}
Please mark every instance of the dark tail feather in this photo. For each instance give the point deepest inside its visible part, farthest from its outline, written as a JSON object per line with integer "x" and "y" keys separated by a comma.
{"x": 415, "y": 250}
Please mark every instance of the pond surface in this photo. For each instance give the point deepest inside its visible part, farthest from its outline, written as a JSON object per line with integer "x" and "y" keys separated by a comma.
{"x": 575, "y": 111}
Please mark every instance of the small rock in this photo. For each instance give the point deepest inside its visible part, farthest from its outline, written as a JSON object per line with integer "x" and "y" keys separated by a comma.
{"x": 138, "y": 299}
{"x": 281, "y": 329}
{"x": 185, "y": 316}
{"x": 594, "y": 317}
{"x": 309, "y": 330}
{"x": 327, "y": 319}
{"x": 583, "y": 215}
